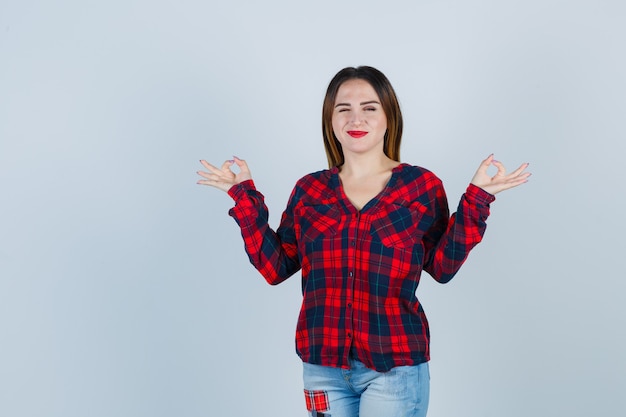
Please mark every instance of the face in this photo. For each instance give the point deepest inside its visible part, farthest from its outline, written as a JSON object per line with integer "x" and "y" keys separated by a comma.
{"x": 359, "y": 121}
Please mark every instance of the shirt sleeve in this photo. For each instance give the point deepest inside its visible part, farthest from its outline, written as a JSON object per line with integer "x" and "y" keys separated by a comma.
{"x": 450, "y": 240}
{"x": 273, "y": 254}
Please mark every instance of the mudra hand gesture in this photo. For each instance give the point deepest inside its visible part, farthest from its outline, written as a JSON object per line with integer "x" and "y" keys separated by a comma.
{"x": 224, "y": 178}
{"x": 501, "y": 181}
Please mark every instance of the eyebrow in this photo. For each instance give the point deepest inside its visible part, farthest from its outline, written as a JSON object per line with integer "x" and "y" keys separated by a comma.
{"x": 363, "y": 103}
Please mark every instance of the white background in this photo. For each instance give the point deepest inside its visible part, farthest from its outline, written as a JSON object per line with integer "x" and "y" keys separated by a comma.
{"x": 124, "y": 286}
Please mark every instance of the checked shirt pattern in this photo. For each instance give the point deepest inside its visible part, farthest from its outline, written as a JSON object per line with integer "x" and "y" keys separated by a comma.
{"x": 361, "y": 269}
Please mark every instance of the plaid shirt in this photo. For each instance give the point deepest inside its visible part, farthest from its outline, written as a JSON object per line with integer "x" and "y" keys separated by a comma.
{"x": 360, "y": 269}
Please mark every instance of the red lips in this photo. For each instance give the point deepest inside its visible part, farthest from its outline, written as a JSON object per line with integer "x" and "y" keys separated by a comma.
{"x": 357, "y": 133}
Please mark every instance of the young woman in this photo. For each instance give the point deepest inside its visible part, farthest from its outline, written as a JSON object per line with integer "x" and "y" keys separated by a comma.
{"x": 362, "y": 231}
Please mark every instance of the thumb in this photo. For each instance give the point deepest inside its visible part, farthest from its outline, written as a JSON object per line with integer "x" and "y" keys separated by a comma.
{"x": 242, "y": 164}
{"x": 487, "y": 162}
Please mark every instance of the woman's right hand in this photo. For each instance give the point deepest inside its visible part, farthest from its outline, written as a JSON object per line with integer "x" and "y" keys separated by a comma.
{"x": 224, "y": 178}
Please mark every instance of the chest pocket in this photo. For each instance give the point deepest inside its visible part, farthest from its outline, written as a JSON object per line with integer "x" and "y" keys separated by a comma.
{"x": 396, "y": 225}
{"x": 317, "y": 222}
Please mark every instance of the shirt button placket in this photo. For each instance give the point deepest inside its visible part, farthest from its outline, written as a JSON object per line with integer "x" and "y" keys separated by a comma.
{"x": 352, "y": 263}
{"x": 349, "y": 310}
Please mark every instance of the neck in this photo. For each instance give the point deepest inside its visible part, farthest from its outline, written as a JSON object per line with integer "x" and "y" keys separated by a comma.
{"x": 360, "y": 166}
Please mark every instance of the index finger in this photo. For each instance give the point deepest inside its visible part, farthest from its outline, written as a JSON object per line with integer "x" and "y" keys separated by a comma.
{"x": 227, "y": 164}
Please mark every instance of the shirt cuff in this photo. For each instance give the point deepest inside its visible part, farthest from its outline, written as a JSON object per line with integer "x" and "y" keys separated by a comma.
{"x": 237, "y": 191}
{"x": 480, "y": 196}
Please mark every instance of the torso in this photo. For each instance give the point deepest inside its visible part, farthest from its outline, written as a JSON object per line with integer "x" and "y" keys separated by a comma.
{"x": 370, "y": 261}
{"x": 361, "y": 191}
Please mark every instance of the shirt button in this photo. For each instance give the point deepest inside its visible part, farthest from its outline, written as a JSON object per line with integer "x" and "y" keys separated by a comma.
{"x": 349, "y": 305}
{"x": 349, "y": 335}
{"x": 350, "y": 273}
{"x": 353, "y": 243}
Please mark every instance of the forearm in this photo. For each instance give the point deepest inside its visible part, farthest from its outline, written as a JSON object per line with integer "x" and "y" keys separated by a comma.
{"x": 273, "y": 255}
{"x": 464, "y": 231}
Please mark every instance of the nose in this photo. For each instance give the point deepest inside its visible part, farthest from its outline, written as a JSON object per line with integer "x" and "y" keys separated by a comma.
{"x": 356, "y": 118}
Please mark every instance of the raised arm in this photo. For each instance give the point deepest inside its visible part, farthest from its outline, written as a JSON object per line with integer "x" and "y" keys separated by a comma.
{"x": 273, "y": 254}
{"x": 449, "y": 242}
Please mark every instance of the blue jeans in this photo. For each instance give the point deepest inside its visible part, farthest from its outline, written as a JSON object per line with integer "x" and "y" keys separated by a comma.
{"x": 363, "y": 392}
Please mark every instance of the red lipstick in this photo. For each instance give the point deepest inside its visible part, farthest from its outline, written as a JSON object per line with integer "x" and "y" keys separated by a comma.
{"x": 357, "y": 133}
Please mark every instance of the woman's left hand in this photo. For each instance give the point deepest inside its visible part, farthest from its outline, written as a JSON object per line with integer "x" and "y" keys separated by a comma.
{"x": 501, "y": 181}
